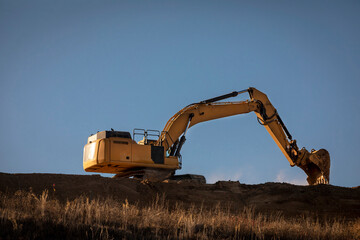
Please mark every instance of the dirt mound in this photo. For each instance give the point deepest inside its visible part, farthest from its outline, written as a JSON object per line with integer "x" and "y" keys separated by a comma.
{"x": 289, "y": 200}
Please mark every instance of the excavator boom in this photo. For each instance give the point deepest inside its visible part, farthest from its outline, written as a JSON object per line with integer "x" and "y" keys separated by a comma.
{"x": 164, "y": 153}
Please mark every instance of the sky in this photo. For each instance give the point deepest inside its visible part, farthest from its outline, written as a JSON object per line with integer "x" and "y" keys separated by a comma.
{"x": 71, "y": 68}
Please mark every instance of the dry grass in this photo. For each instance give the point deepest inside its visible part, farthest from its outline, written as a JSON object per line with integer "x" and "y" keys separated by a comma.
{"x": 25, "y": 215}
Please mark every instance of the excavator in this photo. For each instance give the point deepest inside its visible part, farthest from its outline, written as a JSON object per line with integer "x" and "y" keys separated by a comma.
{"x": 157, "y": 156}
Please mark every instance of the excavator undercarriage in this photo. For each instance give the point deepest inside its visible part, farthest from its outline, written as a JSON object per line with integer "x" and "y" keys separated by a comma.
{"x": 159, "y": 175}
{"x": 157, "y": 155}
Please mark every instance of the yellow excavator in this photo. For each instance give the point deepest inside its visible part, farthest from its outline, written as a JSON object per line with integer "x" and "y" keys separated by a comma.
{"x": 157, "y": 155}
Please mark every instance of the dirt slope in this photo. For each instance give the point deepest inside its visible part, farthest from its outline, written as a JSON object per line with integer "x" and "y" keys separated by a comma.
{"x": 290, "y": 200}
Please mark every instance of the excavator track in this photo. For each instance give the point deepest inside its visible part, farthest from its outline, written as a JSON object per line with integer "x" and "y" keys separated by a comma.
{"x": 160, "y": 175}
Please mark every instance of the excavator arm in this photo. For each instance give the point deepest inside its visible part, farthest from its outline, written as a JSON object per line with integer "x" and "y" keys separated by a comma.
{"x": 316, "y": 164}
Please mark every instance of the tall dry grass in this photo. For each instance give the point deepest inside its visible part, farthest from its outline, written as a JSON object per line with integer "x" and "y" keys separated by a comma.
{"x": 26, "y": 215}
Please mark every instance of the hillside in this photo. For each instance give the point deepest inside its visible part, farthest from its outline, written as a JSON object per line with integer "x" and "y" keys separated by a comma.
{"x": 289, "y": 200}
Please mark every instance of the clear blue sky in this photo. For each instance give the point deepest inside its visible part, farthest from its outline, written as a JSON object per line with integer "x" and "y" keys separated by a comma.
{"x": 71, "y": 68}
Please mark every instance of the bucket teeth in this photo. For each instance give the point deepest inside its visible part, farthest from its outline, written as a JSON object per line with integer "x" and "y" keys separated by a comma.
{"x": 321, "y": 180}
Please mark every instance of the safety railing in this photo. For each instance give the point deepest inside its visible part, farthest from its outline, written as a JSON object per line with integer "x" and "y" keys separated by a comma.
{"x": 146, "y": 134}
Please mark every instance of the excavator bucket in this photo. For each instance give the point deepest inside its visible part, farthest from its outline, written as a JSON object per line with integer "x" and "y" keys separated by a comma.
{"x": 317, "y": 167}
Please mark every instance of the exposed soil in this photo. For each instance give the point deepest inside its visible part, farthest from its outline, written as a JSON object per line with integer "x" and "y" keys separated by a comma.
{"x": 324, "y": 201}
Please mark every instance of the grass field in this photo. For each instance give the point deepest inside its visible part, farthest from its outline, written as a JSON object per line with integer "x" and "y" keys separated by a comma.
{"x": 29, "y": 216}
